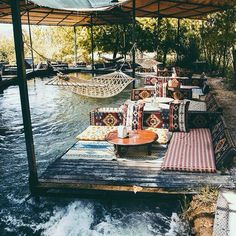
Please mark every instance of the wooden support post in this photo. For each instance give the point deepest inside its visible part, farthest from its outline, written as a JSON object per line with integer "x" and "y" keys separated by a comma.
{"x": 133, "y": 39}
{"x": 30, "y": 38}
{"x": 75, "y": 45}
{"x": 92, "y": 44}
{"x": 21, "y": 75}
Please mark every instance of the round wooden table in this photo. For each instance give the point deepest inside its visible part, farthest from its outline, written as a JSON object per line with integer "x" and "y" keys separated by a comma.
{"x": 135, "y": 138}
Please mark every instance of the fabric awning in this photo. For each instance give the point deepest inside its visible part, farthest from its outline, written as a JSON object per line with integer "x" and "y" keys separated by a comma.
{"x": 66, "y": 12}
{"x": 177, "y": 8}
{"x": 77, "y": 5}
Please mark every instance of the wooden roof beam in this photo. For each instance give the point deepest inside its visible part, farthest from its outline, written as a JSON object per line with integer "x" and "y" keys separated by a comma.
{"x": 185, "y": 11}
{"x": 77, "y": 23}
{"x": 45, "y": 17}
{"x": 64, "y": 18}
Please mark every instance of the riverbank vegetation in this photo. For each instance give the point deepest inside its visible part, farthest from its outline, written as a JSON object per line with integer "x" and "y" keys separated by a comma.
{"x": 200, "y": 212}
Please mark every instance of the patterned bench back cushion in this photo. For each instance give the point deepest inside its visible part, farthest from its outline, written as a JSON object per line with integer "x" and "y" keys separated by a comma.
{"x": 217, "y": 125}
{"x": 223, "y": 144}
{"x": 211, "y": 103}
{"x": 152, "y": 80}
{"x": 105, "y": 117}
{"x": 201, "y": 119}
{"x": 141, "y": 93}
{"x": 224, "y": 148}
{"x": 182, "y": 71}
{"x": 156, "y": 119}
{"x": 164, "y": 72}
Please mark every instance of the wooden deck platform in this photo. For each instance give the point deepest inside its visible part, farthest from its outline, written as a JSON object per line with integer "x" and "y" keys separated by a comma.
{"x": 123, "y": 176}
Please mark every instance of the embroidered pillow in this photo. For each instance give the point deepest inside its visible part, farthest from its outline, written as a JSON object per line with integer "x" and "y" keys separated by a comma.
{"x": 133, "y": 115}
{"x": 178, "y": 116}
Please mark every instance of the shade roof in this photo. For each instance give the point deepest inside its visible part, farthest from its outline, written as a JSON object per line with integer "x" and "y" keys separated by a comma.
{"x": 177, "y": 8}
{"x": 65, "y": 13}
{"x": 78, "y": 12}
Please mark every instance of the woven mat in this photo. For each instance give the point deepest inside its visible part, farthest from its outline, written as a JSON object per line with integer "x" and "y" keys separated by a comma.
{"x": 102, "y": 150}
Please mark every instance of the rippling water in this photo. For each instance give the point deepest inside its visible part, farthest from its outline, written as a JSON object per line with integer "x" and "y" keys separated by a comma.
{"x": 57, "y": 117}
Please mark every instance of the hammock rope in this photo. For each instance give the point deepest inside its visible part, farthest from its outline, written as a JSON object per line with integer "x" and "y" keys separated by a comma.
{"x": 103, "y": 86}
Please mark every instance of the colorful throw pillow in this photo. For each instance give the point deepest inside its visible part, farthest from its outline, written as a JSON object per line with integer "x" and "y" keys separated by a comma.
{"x": 133, "y": 115}
{"x": 96, "y": 133}
{"x": 178, "y": 116}
{"x": 162, "y": 89}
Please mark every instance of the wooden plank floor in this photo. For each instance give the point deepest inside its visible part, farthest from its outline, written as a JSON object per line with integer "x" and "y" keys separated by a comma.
{"x": 127, "y": 176}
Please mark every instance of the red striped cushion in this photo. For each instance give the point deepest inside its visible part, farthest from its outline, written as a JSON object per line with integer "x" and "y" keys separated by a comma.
{"x": 191, "y": 152}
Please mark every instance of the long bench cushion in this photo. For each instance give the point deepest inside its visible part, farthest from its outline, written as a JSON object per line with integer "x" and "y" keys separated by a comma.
{"x": 192, "y": 152}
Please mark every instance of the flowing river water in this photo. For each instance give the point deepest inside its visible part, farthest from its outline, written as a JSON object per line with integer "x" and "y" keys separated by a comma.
{"x": 57, "y": 117}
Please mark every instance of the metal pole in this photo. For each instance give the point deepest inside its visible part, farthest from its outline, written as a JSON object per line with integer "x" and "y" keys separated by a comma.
{"x": 133, "y": 39}
{"x": 21, "y": 75}
{"x": 92, "y": 44}
{"x": 158, "y": 27}
{"x": 124, "y": 46}
{"x": 178, "y": 40}
{"x": 75, "y": 45}
{"x": 30, "y": 37}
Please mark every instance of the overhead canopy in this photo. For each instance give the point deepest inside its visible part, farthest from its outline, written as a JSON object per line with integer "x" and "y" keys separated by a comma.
{"x": 78, "y": 12}
{"x": 177, "y": 8}
{"x": 65, "y": 12}
{"x": 76, "y": 5}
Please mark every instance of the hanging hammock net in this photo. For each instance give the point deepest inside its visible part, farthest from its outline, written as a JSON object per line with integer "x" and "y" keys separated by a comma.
{"x": 147, "y": 63}
{"x": 103, "y": 86}
{"x": 144, "y": 61}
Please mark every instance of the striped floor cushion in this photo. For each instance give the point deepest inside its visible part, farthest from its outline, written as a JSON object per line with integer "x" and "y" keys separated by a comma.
{"x": 192, "y": 152}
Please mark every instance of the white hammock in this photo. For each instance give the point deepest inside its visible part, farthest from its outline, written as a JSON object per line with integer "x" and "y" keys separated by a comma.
{"x": 103, "y": 86}
{"x": 147, "y": 63}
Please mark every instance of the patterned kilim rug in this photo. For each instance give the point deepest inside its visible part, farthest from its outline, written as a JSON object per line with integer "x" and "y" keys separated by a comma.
{"x": 91, "y": 149}
{"x": 102, "y": 150}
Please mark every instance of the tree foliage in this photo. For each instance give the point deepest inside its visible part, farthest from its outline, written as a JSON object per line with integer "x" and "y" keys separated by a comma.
{"x": 211, "y": 40}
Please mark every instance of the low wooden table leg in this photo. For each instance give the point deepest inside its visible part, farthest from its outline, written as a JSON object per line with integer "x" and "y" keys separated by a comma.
{"x": 149, "y": 149}
{"x": 117, "y": 150}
